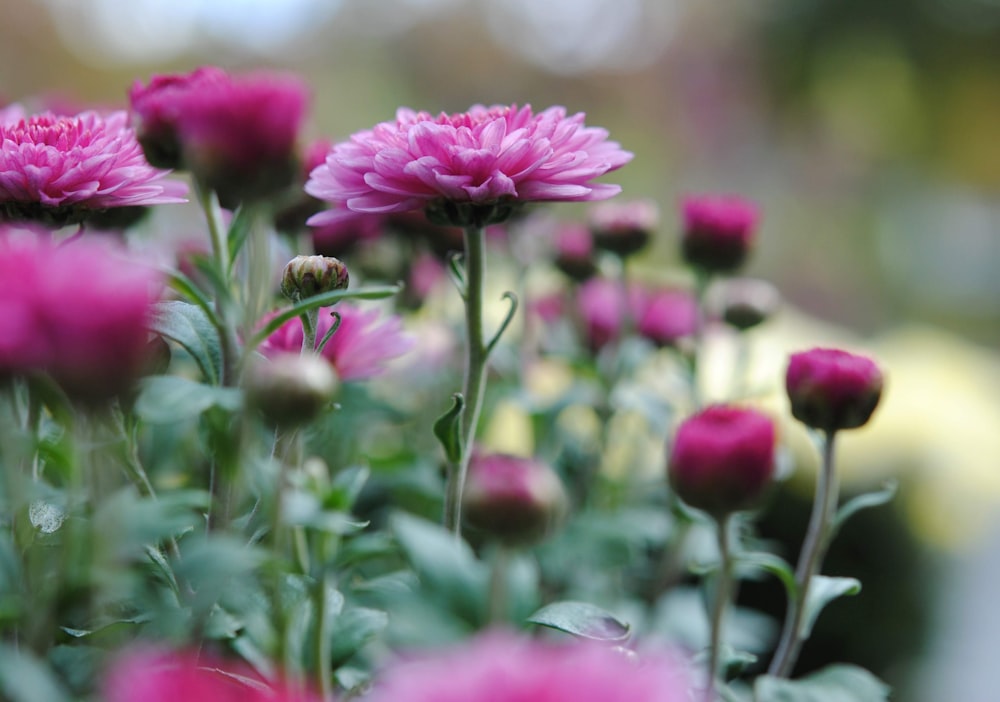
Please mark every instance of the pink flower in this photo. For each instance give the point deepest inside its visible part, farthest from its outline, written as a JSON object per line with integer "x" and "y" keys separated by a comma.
{"x": 471, "y": 167}
{"x": 831, "y": 389}
{"x": 624, "y": 228}
{"x": 664, "y": 316}
{"x": 235, "y": 133}
{"x": 60, "y": 169}
{"x": 359, "y": 349}
{"x": 498, "y": 667}
{"x": 78, "y": 311}
{"x": 603, "y": 308}
{"x": 151, "y": 675}
{"x": 574, "y": 246}
{"x": 342, "y": 230}
{"x": 722, "y": 458}
{"x": 718, "y": 232}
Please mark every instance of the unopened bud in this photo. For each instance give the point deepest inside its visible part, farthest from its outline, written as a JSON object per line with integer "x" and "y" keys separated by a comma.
{"x": 624, "y": 228}
{"x": 831, "y": 389}
{"x": 291, "y": 389}
{"x": 746, "y": 302}
{"x": 719, "y": 232}
{"x": 305, "y": 276}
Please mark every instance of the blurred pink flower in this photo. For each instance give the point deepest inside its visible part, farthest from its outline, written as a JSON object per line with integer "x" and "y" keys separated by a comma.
{"x": 78, "y": 311}
{"x": 663, "y": 316}
{"x": 603, "y": 308}
{"x": 236, "y": 133}
{"x": 151, "y": 675}
{"x": 719, "y": 231}
{"x": 499, "y": 667}
{"x": 359, "y": 349}
{"x": 833, "y": 389}
{"x": 58, "y": 169}
{"x": 487, "y": 156}
{"x": 624, "y": 227}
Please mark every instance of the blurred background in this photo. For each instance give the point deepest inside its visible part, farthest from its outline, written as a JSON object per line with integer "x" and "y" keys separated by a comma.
{"x": 866, "y": 129}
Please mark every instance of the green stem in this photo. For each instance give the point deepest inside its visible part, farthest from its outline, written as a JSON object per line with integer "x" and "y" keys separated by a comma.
{"x": 321, "y": 640}
{"x": 220, "y": 253}
{"x": 475, "y": 372}
{"x": 723, "y": 586}
{"x": 701, "y": 281}
{"x": 498, "y": 585}
{"x": 810, "y": 559}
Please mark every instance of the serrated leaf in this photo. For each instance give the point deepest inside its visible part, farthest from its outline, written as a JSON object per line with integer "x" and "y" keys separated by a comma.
{"x": 24, "y": 678}
{"x": 188, "y": 326}
{"x": 823, "y": 590}
{"x": 835, "y": 683}
{"x": 581, "y": 619}
{"x": 165, "y": 399}
{"x": 860, "y": 502}
{"x": 448, "y": 429}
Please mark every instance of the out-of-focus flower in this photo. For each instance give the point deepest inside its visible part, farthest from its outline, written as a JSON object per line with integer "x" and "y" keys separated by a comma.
{"x": 469, "y": 168}
{"x": 151, "y": 675}
{"x": 663, "y": 316}
{"x": 235, "y": 133}
{"x": 343, "y": 230}
{"x": 502, "y": 668}
{"x": 722, "y": 458}
{"x": 574, "y": 249}
{"x": 61, "y": 169}
{"x": 744, "y": 303}
{"x": 832, "y": 389}
{"x": 78, "y": 311}
{"x": 603, "y": 308}
{"x": 290, "y": 389}
{"x": 359, "y": 349}
{"x": 514, "y": 499}
{"x": 718, "y": 231}
{"x": 624, "y": 228}
{"x": 305, "y": 276}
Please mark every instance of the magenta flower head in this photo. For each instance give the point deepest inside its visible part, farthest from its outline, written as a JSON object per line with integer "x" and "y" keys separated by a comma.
{"x": 624, "y": 228}
{"x": 78, "y": 311}
{"x": 58, "y": 170}
{"x": 359, "y": 349}
{"x": 516, "y": 500}
{"x": 471, "y": 168}
{"x": 831, "y": 389}
{"x": 574, "y": 246}
{"x": 665, "y": 317}
{"x": 602, "y": 306}
{"x": 500, "y": 667}
{"x": 719, "y": 231}
{"x": 235, "y": 133}
{"x": 152, "y": 675}
{"x": 722, "y": 459}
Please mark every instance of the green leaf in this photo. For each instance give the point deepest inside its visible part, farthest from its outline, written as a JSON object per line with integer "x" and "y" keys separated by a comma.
{"x": 346, "y": 487}
{"x": 239, "y": 229}
{"x": 822, "y": 591}
{"x": 24, "y": 678}
{"x": 835, "y": 683}
{"x": 581, "y": 619}
{"x": 860, "y": 502}
{"x": 353, "y": 629}
{"x": 165, "y": 399}
{"x": 773, "y": 564}
{"x": 125, "y": 523}
{"x": 448, "y": 429}
{"x": 188, "y": 326}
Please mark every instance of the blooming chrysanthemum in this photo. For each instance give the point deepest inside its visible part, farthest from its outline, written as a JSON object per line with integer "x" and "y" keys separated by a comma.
{"x": 150, "y": 675}
{"x": 78, "y": 311}
{"x": 236, "y": 133}
{"x": 501, "y": 668}
{"x": 359, "y": 349}
{"x": 58, "y": 169}
{"x": 470, "y": 167}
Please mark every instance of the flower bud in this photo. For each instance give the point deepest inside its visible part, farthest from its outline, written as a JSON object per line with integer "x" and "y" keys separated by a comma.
{"x": 718, "y": 232}
{"x": 722, "y": 459}
{"x": 291, "y": 389}
{"x": 305, "y": 276}
{"x": 746, "y": 302}
{"x": 602, "y": 308}
{"x": 665, "y": 316}
{"x": 516, "y": 500}
{"x": 575, "y": 252}
{"x": 624, "y": 228}
{"x": 831, "y": 389}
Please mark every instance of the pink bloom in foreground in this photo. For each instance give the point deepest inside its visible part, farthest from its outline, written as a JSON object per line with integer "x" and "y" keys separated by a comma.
{"x": 150, "y": 675}
{"x": 722, "y": 458}
{"x": 498, "y": 667}
{"x": 485, "y": 158}
{"x": 58, "y": 169}
{"x": 719, "y": 231}
{"x": 832, "y": 389}
{"x": 361, "y": 347}
{"x": 78, "y": 311}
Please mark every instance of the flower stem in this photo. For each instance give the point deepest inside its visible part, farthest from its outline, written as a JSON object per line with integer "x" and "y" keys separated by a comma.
{"x": 722, "y": 588}
{"x": 475, "y": 372}
{"x": 697, "y": 352}
{"x": 810, "y": 559}
{"x": 498, "y": 585}
{"x": 228, "y": 343}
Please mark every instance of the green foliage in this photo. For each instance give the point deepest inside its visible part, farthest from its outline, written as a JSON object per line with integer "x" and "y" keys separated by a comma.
{"x": 836, "y": 683}
{"x": 582, "y": 619}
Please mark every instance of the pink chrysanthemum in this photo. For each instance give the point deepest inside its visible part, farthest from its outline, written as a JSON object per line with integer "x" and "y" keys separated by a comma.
{"x": 78, "y": 311}
{"x": 359, "y": 349}
{"x": 486, "y": 160}
{"x": 663, "y": 316}
{"x": 151, "y": 675}
{"x": 603, "y": 309}
{"x": 60, "y": 169}
{"x": 501, "y": 668}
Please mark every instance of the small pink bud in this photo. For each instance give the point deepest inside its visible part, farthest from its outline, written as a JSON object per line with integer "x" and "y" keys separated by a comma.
{"x": 517, "y": 500}
{"x": 664, "y": 317}
{"x": 624, "y": 228}
{"x": 747, "y": 302}
{"x": 722, "y": 459}
{"x": 305, "y": 276}
{"x": 831, "y": 389}
{"x": 575, "y": 251}
{"x": 719, "y": 232}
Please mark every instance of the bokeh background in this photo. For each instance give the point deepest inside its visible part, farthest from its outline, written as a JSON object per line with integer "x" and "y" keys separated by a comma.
{"x": 866, "y": 129}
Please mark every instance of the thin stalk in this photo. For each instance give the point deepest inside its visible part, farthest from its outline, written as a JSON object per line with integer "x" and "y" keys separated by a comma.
{"x": 475, "y": 372}
{"x": 498, "y": 585}
{"x": 209, "y": 202}
{"x": 697, "y": 353}
{"x": 810, "y": 559}
{"x": 723, "y": 585}
{"x": 321, "y": 640}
